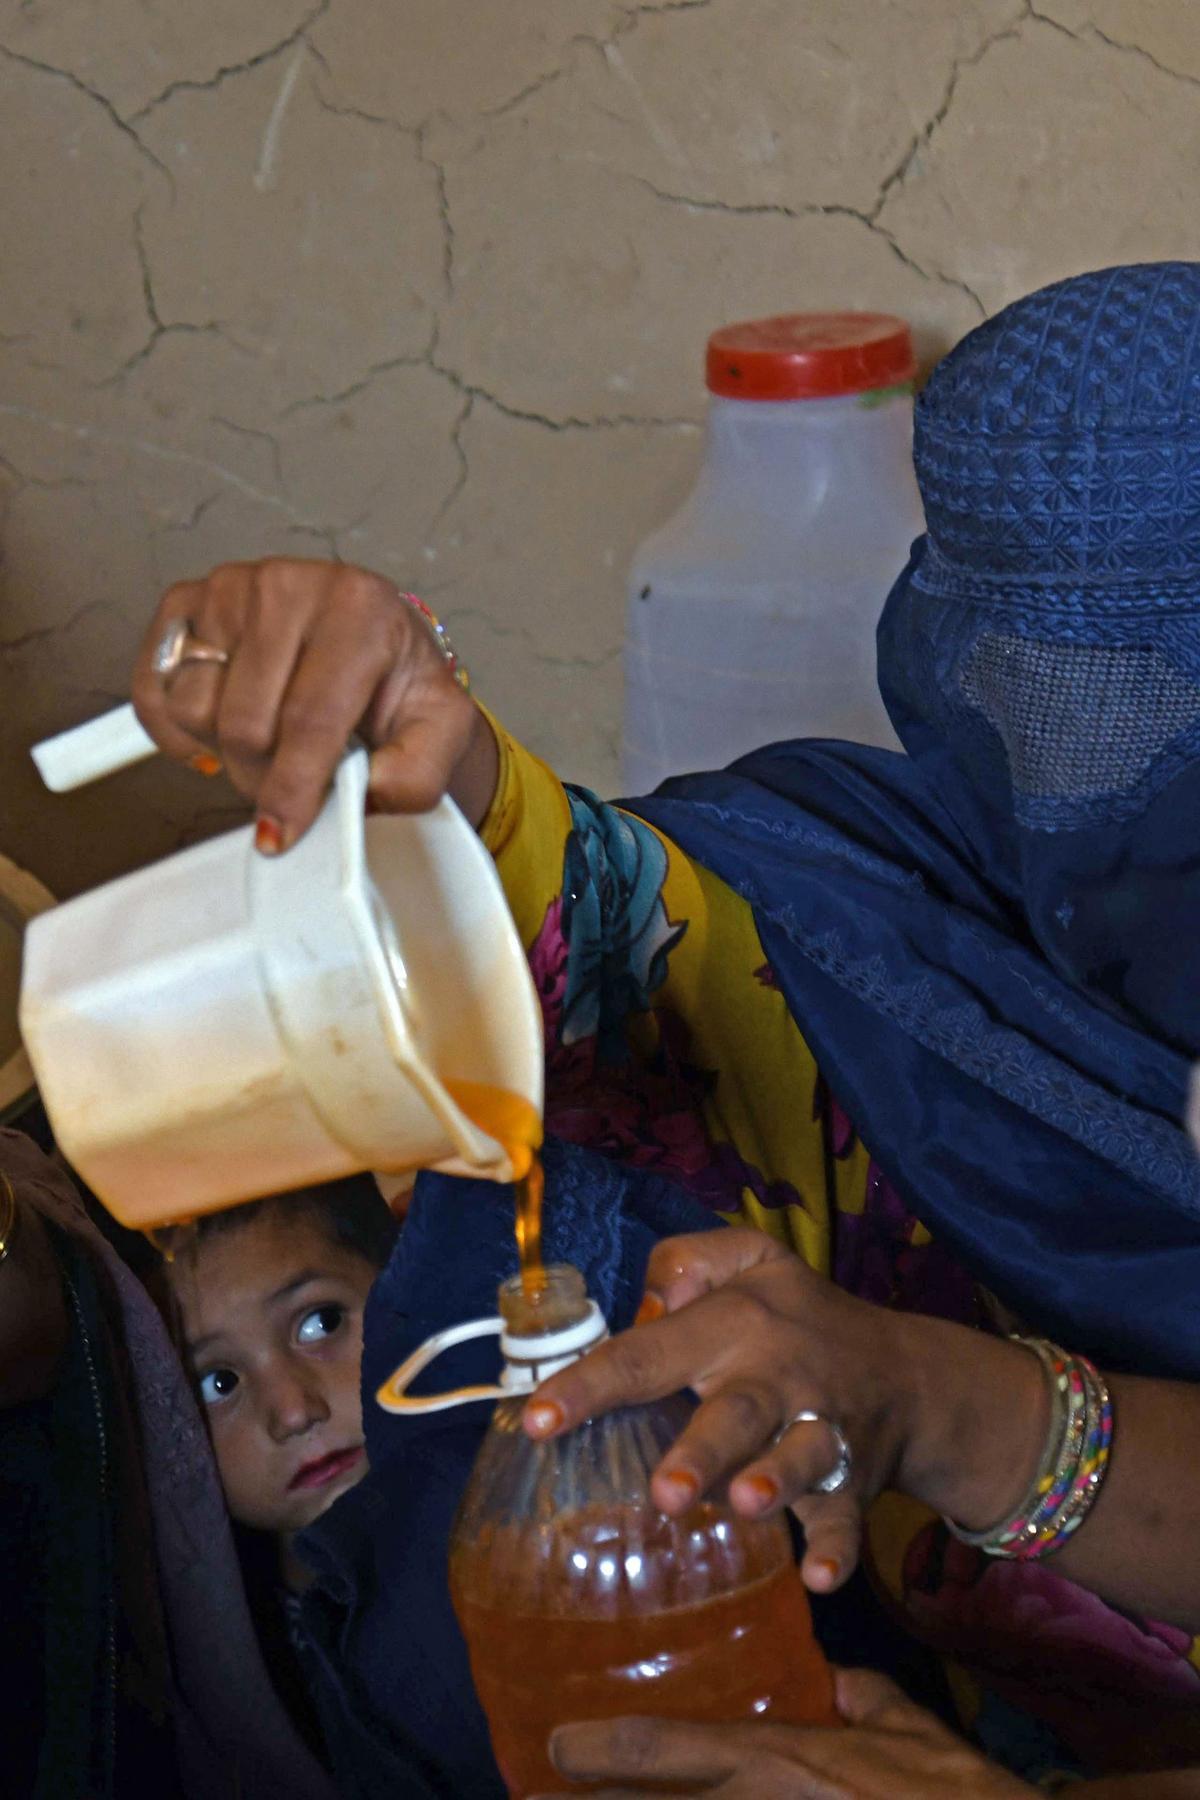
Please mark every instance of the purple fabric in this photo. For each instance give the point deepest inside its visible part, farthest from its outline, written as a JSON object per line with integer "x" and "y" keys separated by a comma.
{"x": 235, "y": 1739}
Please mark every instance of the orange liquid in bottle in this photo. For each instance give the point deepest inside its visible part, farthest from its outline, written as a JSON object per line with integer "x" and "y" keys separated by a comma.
{"x": 516, "y": 1125}
{"x": 747, "y": 1653}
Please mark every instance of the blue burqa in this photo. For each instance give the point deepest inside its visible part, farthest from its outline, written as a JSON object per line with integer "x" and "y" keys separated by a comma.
{"x": 992, "y": 944}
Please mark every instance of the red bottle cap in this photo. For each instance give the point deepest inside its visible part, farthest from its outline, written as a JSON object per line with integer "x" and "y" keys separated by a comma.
{"x": 810, "y": 356}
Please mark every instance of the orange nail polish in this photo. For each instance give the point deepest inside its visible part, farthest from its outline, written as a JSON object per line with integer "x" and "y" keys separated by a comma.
{"x": 653, "y": 1307}
{"x": 686, "y": 1486}
{"x": 829, "y": 1567}
{"x": 762, "y": 1487}
{"x": 268, "y": 835}
{"x": 204, "y": 764}
{"x": 544, "y": 1417}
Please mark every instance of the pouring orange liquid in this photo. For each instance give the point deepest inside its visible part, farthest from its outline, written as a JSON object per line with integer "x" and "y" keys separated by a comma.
{"x": 517, "y": 1126}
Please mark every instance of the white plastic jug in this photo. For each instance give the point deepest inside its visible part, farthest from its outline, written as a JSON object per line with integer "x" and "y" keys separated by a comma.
{"x": 752, "y": 612}
{"x": 224, "y": 1025}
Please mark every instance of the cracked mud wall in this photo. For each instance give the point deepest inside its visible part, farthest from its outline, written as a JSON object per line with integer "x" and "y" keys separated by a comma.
{"x": 425, "y": 284}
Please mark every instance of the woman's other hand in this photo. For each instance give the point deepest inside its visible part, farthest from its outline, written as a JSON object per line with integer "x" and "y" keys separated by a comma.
{"x": 892, "y": 1750}
{"x": 759, "y": 1338}
{"x": 316, "y": 652}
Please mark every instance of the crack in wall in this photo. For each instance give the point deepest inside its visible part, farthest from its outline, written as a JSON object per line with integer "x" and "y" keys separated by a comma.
{"x": 159, "y": 328}
{"x": 61, "y": 628}
{"x": 569, "y": 422}
{"x": 1124, "y": 46}
{"x": 341, "y": 110}
{"x": 816, "y": 209}
{"x": 326, "y": 536}
{"x": 898, "y": 175}
{"x": 517, "y": 100}
{"x": 666, "y": 6}
{"x": 49, "y": 483}
{"x": 361, "y": 382}
{"x": 447, "y": 224}
{"x": 460, "y": 480}
{"x": 627, "y": 23}
{"x": 255, "y": 433}
{"x": 164, "y": 453}
{"x": 186, "y": 84}
{"x": 420, "y": 135}
{"x": 179, "y": 526}
{"x": 470, "y": 390}
{"x": 124, "y": 126}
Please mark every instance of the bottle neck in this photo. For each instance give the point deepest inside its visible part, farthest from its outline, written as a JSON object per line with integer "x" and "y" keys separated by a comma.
{"x": 532, "y": 1357}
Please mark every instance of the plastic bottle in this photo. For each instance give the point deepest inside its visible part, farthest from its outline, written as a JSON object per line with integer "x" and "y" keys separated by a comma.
{"x": 577, "y": 1597}
{"x": 752, "y": 611}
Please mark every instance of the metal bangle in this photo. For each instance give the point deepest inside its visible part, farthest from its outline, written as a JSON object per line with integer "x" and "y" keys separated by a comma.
{"x": 441, "y": 638}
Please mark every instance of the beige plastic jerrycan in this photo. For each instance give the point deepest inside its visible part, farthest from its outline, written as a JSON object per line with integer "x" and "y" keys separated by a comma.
{"x": 225, "y": 1025}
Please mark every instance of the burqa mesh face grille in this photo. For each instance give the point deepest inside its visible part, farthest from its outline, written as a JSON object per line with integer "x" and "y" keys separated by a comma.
{"x": 1077, "y": 720}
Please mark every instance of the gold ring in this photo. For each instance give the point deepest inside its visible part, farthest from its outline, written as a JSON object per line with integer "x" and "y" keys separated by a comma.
{"x": 178, "y": 645}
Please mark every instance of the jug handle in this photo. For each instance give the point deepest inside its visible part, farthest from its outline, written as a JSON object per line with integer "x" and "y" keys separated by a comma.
{"x": 393, "y": 1395}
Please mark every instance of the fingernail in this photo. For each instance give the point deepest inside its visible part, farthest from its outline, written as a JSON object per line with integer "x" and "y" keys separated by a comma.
{"x": 543, "y": 1417}
{"x": 204, "y": 764}
{"x": 764, "y": 1490}
{"x": 268, "y": 835}
{"x": 559, "y": 1749}
{"x": 685, "y": 1485}
{"x": 653, "y": 1307}
{"x": 828, "y": 1568}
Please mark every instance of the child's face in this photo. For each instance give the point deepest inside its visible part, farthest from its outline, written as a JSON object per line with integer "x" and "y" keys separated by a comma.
{"x": 272, "y": 1311}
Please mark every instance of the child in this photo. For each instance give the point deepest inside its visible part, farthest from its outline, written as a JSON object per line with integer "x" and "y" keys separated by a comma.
{"x": 271, "y": 1298}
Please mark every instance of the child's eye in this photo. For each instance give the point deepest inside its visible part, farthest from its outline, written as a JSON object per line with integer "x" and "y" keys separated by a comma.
{"x": 321, "y": 1323}
{"x": 217, "y": 1385}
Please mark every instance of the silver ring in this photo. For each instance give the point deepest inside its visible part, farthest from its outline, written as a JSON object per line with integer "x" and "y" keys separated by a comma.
{"x": 839, "y": 1476}
{"x": 178, "y": 645}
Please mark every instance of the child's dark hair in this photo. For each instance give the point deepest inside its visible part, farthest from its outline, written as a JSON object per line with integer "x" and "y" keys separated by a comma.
{"x": 351, "y": 1213}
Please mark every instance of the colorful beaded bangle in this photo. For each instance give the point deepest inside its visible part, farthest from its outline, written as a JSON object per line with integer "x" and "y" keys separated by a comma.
{"x": 442, "y": 639}
{"x": 1072, "y": 1467}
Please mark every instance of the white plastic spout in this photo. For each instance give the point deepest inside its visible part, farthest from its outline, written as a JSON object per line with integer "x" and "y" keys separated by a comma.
{"x": 529, "y": 1359}
{"x": 90, "y": 751}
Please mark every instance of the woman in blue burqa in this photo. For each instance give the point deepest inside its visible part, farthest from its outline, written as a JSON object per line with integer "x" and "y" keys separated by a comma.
{"x": 925, "y": 1017}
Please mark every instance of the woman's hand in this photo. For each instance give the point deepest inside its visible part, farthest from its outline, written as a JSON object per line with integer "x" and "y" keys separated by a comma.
{"x": 892, "y": 1750}
{"x": 317, "y": 652}
{"x": 752, "y": 1331}
{"x": 759, "y": 1337}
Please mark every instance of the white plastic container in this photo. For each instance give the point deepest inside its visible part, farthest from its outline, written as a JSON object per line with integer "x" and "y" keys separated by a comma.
{"x": 224, "y": 1025}
{"x": 752, "y": 612}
